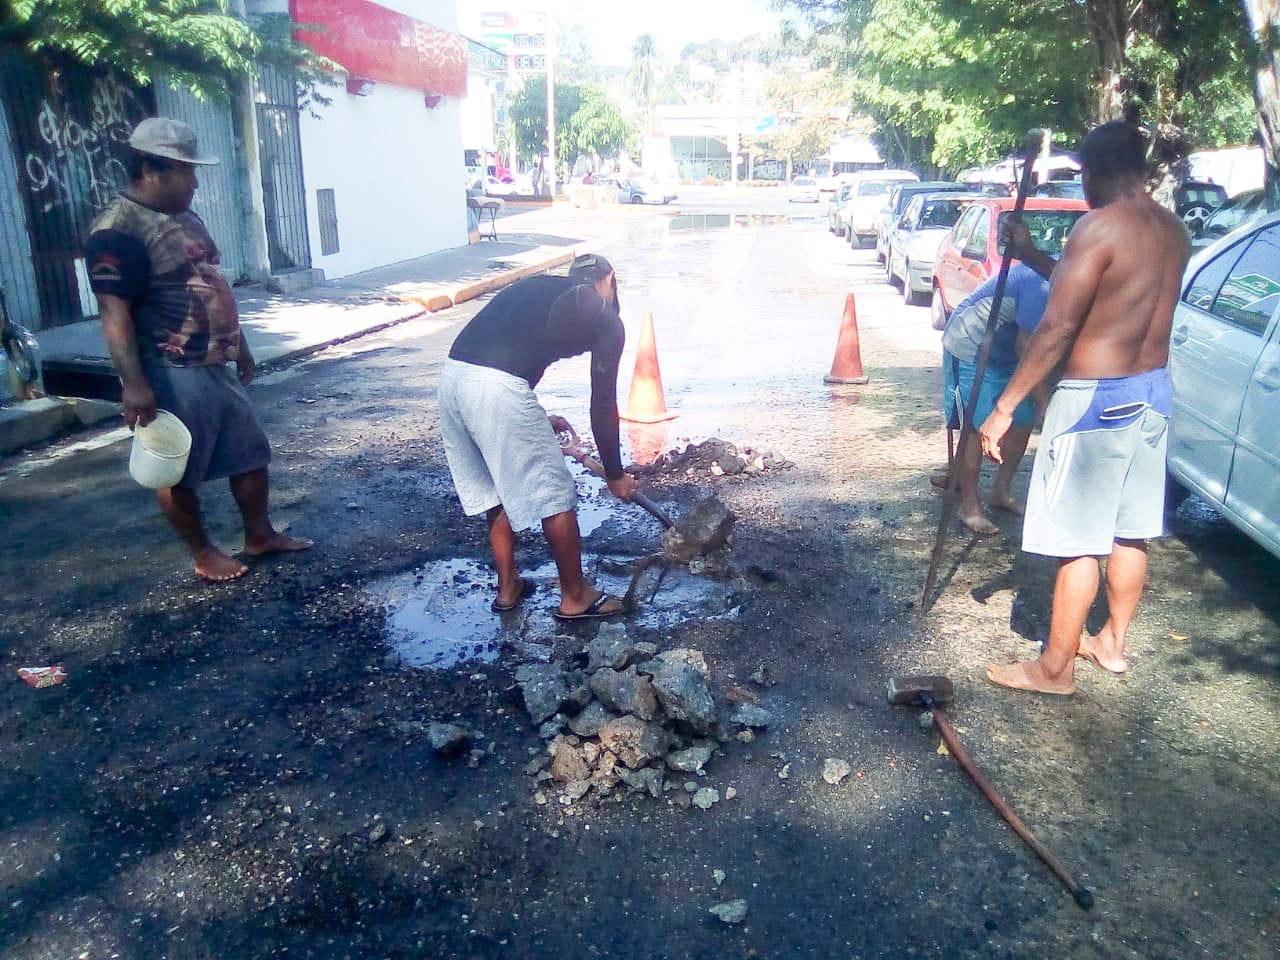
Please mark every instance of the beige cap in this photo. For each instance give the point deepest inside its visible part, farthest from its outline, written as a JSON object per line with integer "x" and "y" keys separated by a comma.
{"x": 171, "y": 139}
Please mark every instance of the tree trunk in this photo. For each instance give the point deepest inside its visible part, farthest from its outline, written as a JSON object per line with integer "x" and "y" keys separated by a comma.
{"x": 1264, "y": 20}
{"x": 1110, "y": 22}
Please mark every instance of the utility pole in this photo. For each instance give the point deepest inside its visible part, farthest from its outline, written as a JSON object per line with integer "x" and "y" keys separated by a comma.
{"x": 551, "y": 103}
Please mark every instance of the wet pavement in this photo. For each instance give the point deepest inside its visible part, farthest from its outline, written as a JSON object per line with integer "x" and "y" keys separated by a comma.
{"x": 241, "y": 770}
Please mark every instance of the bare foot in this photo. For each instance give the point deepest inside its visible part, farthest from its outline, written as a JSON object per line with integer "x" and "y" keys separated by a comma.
{"x": 1005, "y": 502}
{"x": 509, "y": 597}
{"x": 1029, "y": 676}
{"x": 216, "y": 566}
{"x": 1102, "y": 654}
{"x": 977, "y": 522}
{"x": 276, "y": 543}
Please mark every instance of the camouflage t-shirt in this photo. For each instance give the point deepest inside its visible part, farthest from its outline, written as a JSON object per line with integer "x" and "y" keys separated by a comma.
{"x": 184, "y": 312}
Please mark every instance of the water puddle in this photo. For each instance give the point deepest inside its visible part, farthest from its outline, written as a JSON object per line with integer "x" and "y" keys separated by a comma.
{"x": 724, "y": 221}
{"x": 438, "y": 617}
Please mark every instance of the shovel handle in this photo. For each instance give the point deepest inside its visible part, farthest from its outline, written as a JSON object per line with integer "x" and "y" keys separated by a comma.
{"x": 1082, "y": 896}
{"x": 638, "y": 498}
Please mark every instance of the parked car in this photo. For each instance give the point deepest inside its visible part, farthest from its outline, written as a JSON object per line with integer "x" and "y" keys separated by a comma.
{"x": 1068, "y": 189}
{"x": 804, "y": 190}
{"x": 835, "y": 207}
{"x": 1224, "y": 358}
{"x": 899, "y": 196}
{"x": 913, "y": 245}
{"x": 520, "y": 185}
{"x": 1195, "y": 200}
{"x": 641, "y": 191}
{"x": 869, "y": 193}
{"x": 968, "y": 254}
{"x": 1237, "y": 212}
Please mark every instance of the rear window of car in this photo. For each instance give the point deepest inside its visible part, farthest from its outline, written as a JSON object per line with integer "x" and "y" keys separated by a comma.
{"x": 870, "y": 188}
{"x": 942, "y": 213}
{"x": 1251, "y": 292}
{"x": 1049, "y": 228}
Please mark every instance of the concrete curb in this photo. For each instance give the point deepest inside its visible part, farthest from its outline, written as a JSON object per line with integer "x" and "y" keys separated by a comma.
{"x": 442, "y": 297}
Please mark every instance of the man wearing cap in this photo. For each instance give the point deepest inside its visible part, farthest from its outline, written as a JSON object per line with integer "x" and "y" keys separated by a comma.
{"x": 172, "y": 325}
{"x": 501, "y": 446}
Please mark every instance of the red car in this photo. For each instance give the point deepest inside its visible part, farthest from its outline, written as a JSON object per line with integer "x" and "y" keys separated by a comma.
{"x": 968, "y": 254}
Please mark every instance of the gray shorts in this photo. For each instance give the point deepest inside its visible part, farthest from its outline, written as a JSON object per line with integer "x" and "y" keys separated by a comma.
{"x": 226, "y": 437}
{"x": 500, "y": 446}
{"x": 1099, "y": 473}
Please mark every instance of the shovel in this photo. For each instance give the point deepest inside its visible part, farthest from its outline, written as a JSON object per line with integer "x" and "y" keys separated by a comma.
{"x": 569, "y": 446}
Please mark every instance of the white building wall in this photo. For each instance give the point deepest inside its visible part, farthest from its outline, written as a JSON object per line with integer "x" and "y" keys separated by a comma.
{"x": 396, "y": 170}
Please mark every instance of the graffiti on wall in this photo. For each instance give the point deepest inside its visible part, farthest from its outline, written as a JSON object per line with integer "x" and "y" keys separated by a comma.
{"x": 80, "y": 155}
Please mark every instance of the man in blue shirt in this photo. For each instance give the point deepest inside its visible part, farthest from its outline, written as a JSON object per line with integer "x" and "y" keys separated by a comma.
{"x": 1025, "y": 297}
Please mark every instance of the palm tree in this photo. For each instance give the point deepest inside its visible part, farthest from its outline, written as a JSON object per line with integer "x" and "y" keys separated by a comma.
{"x": 644, "y": 79}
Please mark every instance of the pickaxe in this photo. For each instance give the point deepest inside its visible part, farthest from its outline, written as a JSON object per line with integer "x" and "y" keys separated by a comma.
{"x": 933, "y": 693}
{"x": 951, "y": 496}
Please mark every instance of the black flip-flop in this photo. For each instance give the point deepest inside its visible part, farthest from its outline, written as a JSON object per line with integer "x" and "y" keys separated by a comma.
{"x": 592, "y": 612}
{"x": 527, "y": 587}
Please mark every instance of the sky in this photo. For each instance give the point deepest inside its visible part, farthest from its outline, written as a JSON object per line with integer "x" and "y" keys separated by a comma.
{"x": 611, "y": 29}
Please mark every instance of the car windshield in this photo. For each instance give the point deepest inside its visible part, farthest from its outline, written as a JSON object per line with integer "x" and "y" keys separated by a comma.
{"x": 941, "y": 214}
{"x": 1232, "y": 214}
{"x": 1049, "y": 228}
{"x": 802, "y": 182}
{"x": 1062, "y": 188}
{"x": 1202, "y": 195}
{"x": 872, "y": 188}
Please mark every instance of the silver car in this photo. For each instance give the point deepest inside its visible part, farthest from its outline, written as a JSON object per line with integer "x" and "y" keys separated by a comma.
{"x": 1224, "y": 358}
{"x": 913, "y": 241}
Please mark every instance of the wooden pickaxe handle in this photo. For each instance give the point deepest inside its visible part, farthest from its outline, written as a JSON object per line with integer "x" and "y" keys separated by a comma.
{"x": 1082, "y": 896}
{"x": 638, "y": 498}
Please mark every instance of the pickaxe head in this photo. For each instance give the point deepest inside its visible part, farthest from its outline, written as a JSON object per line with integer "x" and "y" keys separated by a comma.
{"x": 921, "y": 691}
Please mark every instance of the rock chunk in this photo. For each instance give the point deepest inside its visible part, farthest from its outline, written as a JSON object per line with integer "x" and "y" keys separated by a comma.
{"x": 625, "y": 692}
{"x": 449, "y": 739}
{"x": 734, "y": 911}
{"x": 749, "y": 715}
{"x": 683, "y": 693}
{"x": 611, "y": 649}
{"x": 590, "y": 720}
{"x": 702, "y": 530}
{"x": 543, "y": 687}
{"x": 690, "y": 760}
{"x": 689, "y": 657}
{"x": 834, "y": 770}
{"x": 568, "y": 762}
{"x": 706, "y": 798}
{"x": 644, "y": 779}
{"x": 633, "y": 741}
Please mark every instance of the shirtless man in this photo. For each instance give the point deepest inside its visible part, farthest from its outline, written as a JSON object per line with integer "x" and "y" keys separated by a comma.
{"x": 1097, "y": 488}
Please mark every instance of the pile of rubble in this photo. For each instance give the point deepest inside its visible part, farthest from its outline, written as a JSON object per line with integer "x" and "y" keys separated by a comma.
{"x": 628, "y": 721}
{"x": 715, "y": 458}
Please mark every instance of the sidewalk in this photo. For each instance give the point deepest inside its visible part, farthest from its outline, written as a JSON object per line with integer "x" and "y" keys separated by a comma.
{"x": 284, "y": 328}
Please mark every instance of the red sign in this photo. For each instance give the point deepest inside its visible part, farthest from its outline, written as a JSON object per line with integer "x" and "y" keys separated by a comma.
{"x": 375, "y": 43}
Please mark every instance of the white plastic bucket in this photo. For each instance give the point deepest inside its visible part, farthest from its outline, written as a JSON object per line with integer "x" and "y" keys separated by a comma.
{"x": 160, "y": 451}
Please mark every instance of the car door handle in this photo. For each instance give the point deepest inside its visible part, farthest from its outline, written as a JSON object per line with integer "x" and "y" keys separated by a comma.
{"x": 1180, "y": 336}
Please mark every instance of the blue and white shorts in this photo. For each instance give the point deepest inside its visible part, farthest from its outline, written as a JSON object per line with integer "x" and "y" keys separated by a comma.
{"x": 1099, "y": 474}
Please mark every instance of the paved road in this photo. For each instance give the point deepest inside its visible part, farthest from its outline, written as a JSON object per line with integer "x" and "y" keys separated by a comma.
{"x": 211, "y": 780}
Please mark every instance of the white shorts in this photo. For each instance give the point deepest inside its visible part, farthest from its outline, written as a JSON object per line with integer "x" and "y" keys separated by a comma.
{"x": 500, "y": 446}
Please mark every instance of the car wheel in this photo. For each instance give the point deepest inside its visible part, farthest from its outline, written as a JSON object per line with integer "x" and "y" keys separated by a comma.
{"x": 637, "y": 200}
{"x": 881, "y": 255}
{"x": 937, "y": 311}
{"x": 908, "y": 295}
{"x": 888, "y": 269}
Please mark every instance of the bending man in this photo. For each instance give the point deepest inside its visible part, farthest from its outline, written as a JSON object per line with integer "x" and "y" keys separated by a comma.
{"x": 502, "y": 449}
{"x": 1097, "y": 488}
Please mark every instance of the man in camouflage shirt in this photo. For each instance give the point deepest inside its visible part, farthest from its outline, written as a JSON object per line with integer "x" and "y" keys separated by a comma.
{"x": 172, "y": 325}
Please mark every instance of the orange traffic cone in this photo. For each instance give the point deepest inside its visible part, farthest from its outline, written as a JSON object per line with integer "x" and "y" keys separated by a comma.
{"x": 847, "y": 365}
{"x": 647, "y": 404}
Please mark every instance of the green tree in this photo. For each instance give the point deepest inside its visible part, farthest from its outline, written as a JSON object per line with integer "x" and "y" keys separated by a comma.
{"x": 644, "y": 76}
{"x": 597, "y": 127}
{"x": 1264, "y": 21}
{"x": 198, "y": 43}
{"x": 587, "y": 121}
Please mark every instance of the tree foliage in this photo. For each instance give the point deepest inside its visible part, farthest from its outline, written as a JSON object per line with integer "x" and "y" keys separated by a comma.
{"x": 955, "y": 82}
{"x": 587, "y": 121}
{"x": 197, "y": 43}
